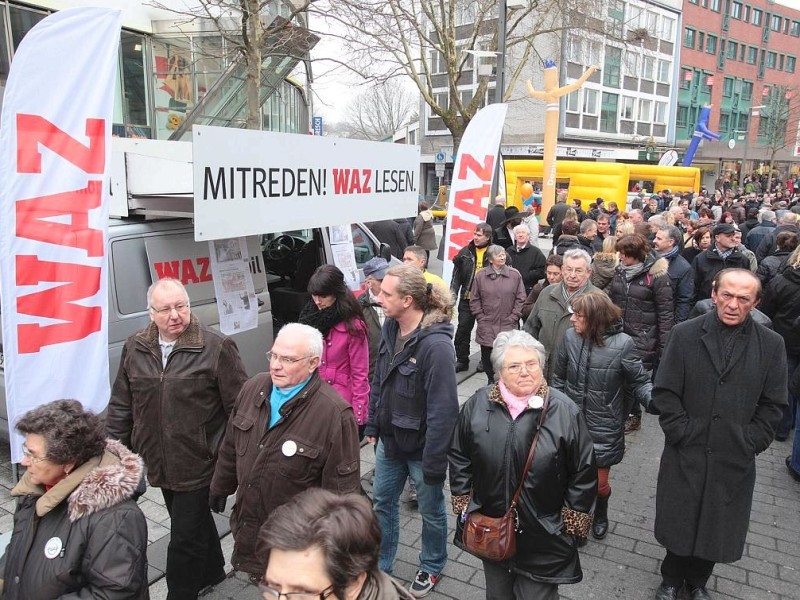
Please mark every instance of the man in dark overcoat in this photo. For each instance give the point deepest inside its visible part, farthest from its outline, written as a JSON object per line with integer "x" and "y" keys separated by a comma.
{"x": 720, "y": 392}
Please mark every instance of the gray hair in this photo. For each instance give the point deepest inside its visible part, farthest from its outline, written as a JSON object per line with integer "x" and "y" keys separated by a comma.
{"x": 163, "y": 282}
{"x": 574, "y": 253}
{"x": 522, "y": 227}
{"x": 586, "y": 225}
{"x": 789, "y": 218}
{"x": 494, "y": 250}
{"x": 310, "y": 334}
{"x": 516, "y": 338}
{"x": 673, "y": 232}
{"x": 767, "y": 215}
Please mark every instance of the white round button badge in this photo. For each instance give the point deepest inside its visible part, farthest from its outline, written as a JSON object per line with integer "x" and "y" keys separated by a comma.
{"x": 289, "y": 448}
{"x": 53, "y": 547}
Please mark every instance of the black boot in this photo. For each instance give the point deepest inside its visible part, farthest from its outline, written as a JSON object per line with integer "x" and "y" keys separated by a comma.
{"x": 600, "y": 524}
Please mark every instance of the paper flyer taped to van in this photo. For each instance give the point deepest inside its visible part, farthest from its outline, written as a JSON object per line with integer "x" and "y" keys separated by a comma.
{"x": 344, "y": 257}
{"x": 233, "y": 284}
{"x": 255, "y": 182}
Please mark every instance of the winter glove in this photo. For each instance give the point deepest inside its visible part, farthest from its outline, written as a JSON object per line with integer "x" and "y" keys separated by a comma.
{"x": 217, "y": 503}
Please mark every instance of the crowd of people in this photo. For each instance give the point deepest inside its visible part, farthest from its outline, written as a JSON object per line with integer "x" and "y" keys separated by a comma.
{"x": 652, "y": 309}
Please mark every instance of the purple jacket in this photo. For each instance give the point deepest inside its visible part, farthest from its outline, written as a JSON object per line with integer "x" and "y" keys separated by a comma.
{"x": 345, "y": 366}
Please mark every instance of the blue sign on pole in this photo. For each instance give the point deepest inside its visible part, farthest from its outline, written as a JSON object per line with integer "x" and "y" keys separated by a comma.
{"x": 316, "y": 124}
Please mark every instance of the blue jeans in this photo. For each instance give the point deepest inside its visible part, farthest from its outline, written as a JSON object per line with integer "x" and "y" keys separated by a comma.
{"x": 390, "y": 478}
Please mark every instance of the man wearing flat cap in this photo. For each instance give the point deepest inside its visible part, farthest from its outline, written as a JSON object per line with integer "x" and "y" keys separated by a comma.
{"x": 723, "y": 254}
{"x": 374, "y": 272}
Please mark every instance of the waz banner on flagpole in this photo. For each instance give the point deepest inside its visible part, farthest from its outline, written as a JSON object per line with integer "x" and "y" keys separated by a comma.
{"x": 472, "y": 180}
{"x": 54, "y": 155}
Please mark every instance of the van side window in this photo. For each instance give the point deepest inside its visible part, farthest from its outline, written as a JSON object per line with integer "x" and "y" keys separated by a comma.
{"x": 363, "y": 246}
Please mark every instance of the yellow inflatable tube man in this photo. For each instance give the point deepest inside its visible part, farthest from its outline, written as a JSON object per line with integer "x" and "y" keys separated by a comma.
{"x": 550, "y": 95}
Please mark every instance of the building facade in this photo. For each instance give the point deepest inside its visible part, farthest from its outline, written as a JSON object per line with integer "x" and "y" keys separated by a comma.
{"x": 169, "y": 65}
{"x": 740, "y": 56}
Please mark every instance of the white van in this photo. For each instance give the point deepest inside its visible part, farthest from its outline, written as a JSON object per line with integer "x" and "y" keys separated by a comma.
{"x": 141, "y": 251}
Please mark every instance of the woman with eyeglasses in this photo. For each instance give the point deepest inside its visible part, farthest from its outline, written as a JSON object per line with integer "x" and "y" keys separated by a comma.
{"x": 335, "y": 312}
{"x": 78, "y": 531}
{"x": 595, "y": 363}
{"x": 323, "y": 545}
{"x": 490, "y": 447}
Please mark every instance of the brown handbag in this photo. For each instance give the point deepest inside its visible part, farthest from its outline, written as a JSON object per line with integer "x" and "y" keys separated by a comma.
{"x": 495, "y": 538}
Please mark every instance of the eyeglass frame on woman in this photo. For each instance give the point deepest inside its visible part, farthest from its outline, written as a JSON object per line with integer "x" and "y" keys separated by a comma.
{"x": 273, "y": 593}
{"x": 34, "y": 460}
{"x": 516, "y": 368}
{"x": 178, "y": 308}
{"x": 285, "y": 360}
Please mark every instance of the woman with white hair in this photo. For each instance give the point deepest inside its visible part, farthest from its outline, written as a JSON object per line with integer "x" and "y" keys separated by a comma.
{"x": 491, "y": 443}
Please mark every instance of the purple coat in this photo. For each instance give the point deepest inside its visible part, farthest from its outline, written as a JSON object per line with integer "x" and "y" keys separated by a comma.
{"x": 496, "y": 302}
{"x": 345, "y": 366}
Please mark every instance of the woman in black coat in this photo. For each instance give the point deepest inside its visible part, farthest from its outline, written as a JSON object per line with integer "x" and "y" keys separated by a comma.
{"x": 490, "y": 446}
{"x": 595, "y": 360}
{"x": 78, "y": 532}
{"x": 641, "y": 288}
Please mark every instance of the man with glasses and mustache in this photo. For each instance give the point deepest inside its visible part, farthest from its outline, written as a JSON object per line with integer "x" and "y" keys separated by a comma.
{"x": 289, "y": 431}
{"x": 176, "y": 385}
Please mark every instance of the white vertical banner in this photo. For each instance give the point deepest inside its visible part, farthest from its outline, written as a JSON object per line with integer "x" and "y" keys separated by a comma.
{"x": 54, "y": 156}
{"x": 476, "y": 164}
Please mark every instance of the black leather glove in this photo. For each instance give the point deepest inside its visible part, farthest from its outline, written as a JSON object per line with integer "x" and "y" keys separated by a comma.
{"x": 217, "y": 503}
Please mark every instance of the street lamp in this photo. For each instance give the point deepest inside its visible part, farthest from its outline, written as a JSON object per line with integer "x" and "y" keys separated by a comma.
{"x": 753, "y": 113}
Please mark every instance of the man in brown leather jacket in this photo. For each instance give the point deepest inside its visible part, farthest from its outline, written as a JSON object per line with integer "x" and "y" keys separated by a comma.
{"x": 288, "y": 432}
{"x": 175, "y": 388}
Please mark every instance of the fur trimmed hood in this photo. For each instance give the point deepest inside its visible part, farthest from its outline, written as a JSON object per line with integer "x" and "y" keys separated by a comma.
{"x": 99, "y": 483}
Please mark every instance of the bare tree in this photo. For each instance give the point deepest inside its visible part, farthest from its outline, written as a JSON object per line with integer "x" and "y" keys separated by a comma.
{"x": 253, "y": 28}
{"x": 781, "y": 109}
{"x": 380, "y": 110}
{"x": 433, "y": 42}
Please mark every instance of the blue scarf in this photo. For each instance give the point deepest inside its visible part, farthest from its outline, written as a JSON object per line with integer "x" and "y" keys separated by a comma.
{"x": 279, "y": 397}
{"x": 671, "y": 253}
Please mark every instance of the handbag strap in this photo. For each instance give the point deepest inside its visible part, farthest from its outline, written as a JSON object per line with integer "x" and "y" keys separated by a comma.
{"x": 531, "y": 453}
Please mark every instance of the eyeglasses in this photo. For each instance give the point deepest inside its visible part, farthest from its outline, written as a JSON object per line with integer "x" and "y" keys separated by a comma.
{"x": 529, "y": 366}
{"x": 178, "y": 308}
{"x": 34, "y": 460}
{"x": 269, "y": 593}
{"x": 285, "y": 360}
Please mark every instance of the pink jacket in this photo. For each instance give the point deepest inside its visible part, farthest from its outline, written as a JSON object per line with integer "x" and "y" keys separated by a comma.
{"x": 345, "y": 366}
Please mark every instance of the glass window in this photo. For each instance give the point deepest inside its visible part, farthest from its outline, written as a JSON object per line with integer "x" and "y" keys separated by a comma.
{"x": 746, "y": 15}
{"x": 590, "y": 101}
{"x": 780, "y": 62}
{"x": 616, "y": 17}
{"x": 791, "y": 62}
{"x": 786, "y": 23}
{"x": 626, "y": 111}
{"x": 22, "y": 21}
{"x": 727, "y": 87}
{"x": 775, "y": 23}
{"x": 572, "y": 101}
{"x": 744, "y": 122}
{"x": 752, "y": 55}
{"x": 134, "y": 81}
{"x": 634, "y": 17}
{"x": 758, "y": 16}
{"x": 575, "y": 50}
{"x": 736, "y": 10}
{"x": 795, "y": 29}
{"x": 667, "y": 28}
{"x": 688, "y": 37}
{"x": 724, "y": 121}
{"x": 682, "y": 116}
{"x": 711, "y": 44}
{"x": 731, "y": 50}
{"x": 648, "y": 66}
{"x": 747, "y": 90}
{"x": 664, "y": 71}
{"x": 701, "y": 40}
{"x": 611, "y": 69}
{"x": 714, "y": 5}
{"x": 660, "y": 113}
{"x": 686, "y": 78}
{"x": 771, "y": 59}
{"x": 742, "y": 51}
{"x": 608, "y": 113}
{"x": 652, "y": 21}
{"x": 630, "y": 66}
{"x": 645, "y": 108}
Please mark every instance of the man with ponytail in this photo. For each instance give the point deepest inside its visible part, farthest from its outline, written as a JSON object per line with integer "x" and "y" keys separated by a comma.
{"x": 412, "y": 412}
